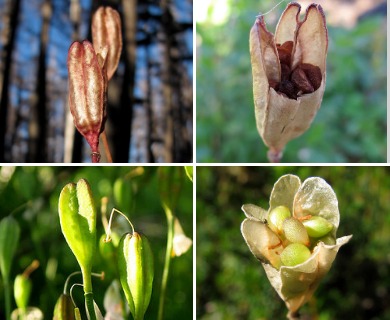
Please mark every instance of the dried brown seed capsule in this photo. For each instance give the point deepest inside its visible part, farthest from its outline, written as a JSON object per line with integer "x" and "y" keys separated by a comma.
{"x": 87, "y": 92}
{"x": 106, "y": 31}
{"x": 284, "y": 105}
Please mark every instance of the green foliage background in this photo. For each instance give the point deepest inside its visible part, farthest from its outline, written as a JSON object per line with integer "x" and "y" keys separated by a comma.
{"x": 231, "y": 282}
{"x": 351, "y": 123}
{"x": 32, "y": 193}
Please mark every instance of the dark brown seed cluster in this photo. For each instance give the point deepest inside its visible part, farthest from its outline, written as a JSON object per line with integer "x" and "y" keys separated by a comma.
{"x": 305, "y": 78}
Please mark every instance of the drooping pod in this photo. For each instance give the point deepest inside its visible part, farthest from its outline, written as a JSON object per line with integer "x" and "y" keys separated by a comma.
{"x": 88, "y": 92}
{"x": 136, "y": 271}
{"x": 106, "y": 31}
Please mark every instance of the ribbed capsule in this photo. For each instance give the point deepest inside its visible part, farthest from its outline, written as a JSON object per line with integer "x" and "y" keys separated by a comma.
{"x": 136, "y": 272}
{"x": 106, "y": 31}
{"x": 87, "y": 91}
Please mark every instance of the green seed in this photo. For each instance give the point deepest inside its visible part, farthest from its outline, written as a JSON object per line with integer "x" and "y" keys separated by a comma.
{"x": 276, "y": 218}
{"x": 295, "y": 232}
{"x": 327, "y": 239}
{"x": 294, "y": 254}
{"x": 317, "y": 226}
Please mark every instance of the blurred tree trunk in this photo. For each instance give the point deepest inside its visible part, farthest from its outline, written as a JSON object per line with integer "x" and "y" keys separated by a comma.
{"x": 9, "y": 18}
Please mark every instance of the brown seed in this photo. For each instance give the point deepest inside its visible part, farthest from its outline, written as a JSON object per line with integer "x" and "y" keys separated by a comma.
{"x": 313, "y": 73}
{"x": 288, "y": 88}
{"x": 300, "y": 80}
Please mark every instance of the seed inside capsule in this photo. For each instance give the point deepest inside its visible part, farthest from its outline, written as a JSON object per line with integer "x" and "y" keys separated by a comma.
{"x": 295, "y": 232}
{"x": 317, "y": 226}
{"x": 276, "y": 218}
{"x": 294, "y": 253}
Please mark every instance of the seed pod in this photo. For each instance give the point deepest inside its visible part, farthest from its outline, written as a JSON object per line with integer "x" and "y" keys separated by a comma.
{"x": 106, "y": 31}
{"x": 136, "y": 271}
{"x": 87, "y": 92}
{"x": 289, "y": 72}
{"x": 276, "y": 218}
{"x": 9, "y": 238}
{"x": 64, "y": 309}
{"x": 295, "y": 232}
{"x": 294, "y": 253}
{"x": 78, "y": 222}
{"x": 22, "y": 291}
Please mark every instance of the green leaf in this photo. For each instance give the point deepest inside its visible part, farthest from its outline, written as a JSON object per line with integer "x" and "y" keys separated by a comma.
{"x": 9, "y": 239}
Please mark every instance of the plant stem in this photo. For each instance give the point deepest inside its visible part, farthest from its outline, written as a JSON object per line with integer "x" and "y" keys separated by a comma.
{"x": 170, "y": 220}
{"x": 7, "y": 293}
{"x": 89, "y": 305}
{"x": 88, "y": 295}
{"x": 106, "y": 146}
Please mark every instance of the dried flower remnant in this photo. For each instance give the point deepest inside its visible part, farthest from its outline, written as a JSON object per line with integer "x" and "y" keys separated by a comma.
{"x": 289, "y": 72}
{"x": 88, "y": 92}
{"x": 293, "y": 267}
{"x": 106, "y": 32}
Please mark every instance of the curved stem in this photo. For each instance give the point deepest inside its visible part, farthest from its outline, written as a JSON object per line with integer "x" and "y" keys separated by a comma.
{"x": 106, "y": 146}
{"x": 170, "y": 220}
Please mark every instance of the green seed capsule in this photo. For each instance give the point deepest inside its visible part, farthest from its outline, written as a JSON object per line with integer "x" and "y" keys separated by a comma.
{"x": 317, "y": 226}
{"x": 22, "y": 291}
{"x": 294, "y": 254}
{"x": 78, "y": 224}
{"x": 295, "y": 232}
{"x": 276, "y": 218}
{"x": 136, "y": 271}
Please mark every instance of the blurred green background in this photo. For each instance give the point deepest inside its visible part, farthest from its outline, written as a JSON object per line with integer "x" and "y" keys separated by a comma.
{"x": 351, "y": 123}
{"x": 231, "y": 282}
{"x": 31, "y": 194}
